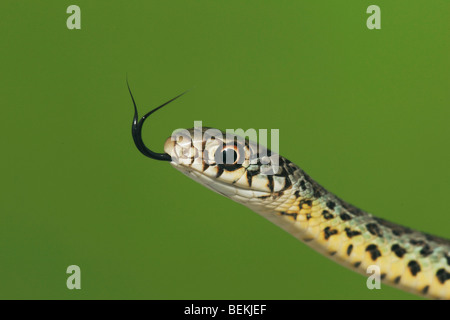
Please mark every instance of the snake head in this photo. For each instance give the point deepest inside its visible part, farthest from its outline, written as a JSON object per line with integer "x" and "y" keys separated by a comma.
{"x": 228, "y": 164}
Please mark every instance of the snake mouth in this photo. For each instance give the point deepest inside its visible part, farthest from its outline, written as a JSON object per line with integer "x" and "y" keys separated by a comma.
{"x": 229, "y": 190}
{"x": 238, "y": 191}
{"x": 227, "y": 183}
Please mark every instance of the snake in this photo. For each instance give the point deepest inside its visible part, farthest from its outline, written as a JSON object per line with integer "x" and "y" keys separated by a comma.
{"x": 280, "y": 191}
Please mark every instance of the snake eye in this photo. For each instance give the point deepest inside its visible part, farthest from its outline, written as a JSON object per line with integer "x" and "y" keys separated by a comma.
{"x": 228, "y": 157}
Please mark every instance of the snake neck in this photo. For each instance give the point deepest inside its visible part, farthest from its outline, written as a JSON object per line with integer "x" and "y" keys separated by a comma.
{"x": 411, "y": 260}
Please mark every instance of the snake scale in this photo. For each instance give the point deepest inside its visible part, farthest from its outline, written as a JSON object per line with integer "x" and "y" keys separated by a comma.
{"x": 284, "y": 194}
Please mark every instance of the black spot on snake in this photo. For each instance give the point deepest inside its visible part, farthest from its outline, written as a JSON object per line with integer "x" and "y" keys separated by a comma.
{"x": 329, "y": 232}
{"x": 398, "y": 250}
{"x": 345, "y": 217}
{"x": 331, "y": 205}
{"x": 374, "y": 252}
{"x": 350, "y": 233}
{"x": 426, "y": 250}
{"x": 417, "y": 242}
{"x": 397, "y": 279}
{"x": 414, "y": 267}
{"x": 383, "y": 276}
{"x": 374, "y": 229}
{"x": 270, "y": 183}
{"x": 327, "y": 215}
{"x": 308, "y": 216}
{"x": 442, "y": 275}
{"x": 357, "y": 264}
{"x": 349, "y": 250}
{"x": 303, "y": 185}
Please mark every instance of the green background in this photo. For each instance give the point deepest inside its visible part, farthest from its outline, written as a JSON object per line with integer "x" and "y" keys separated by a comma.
{"x": 364, "y": 112}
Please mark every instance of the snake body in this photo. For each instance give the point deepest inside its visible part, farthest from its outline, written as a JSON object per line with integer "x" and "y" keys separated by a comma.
{"x": 410, "y": 260}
